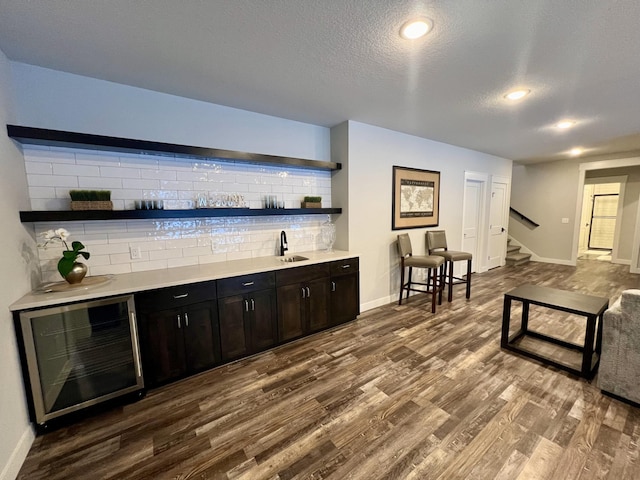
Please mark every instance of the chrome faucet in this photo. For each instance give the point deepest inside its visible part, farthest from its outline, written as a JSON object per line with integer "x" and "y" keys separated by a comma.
{"x": 284, "y": 246}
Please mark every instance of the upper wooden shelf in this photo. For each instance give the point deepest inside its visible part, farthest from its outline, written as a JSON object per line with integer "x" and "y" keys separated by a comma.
{"x": 59, "y": 138}
{"x": 78, "y": 215}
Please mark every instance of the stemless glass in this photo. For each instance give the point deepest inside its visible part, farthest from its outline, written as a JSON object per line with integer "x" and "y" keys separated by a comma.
{"x": 328, "y": 235}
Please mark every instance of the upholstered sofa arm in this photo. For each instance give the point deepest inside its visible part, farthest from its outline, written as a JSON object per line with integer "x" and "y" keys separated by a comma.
{"x": 620, "y": 358}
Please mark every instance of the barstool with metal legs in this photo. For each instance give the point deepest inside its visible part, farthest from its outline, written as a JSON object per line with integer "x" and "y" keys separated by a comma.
{"x": 437, "y": 245}
{"x": 432, "y": 263}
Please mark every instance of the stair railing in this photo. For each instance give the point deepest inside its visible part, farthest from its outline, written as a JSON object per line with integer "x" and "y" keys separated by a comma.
{"x": 523, "y": 217}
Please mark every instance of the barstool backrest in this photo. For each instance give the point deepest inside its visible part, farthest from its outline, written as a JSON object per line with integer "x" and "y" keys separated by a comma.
{"x": 436, "y": 240}
{"x": 404, "y": 245}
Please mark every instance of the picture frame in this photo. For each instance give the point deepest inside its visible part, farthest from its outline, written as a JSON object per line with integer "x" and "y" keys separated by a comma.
{"x": 416, "y": 198}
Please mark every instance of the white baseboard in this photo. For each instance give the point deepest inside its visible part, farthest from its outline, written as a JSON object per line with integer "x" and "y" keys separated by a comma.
{"x": 621, "y": 261}
{"x": 558, "y": 261}
{"x": 377, "y": 303}
{"x": 11, "y": 469}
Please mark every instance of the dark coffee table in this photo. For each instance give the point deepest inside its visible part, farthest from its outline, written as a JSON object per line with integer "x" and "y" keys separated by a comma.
{"x": 577, "y": 303}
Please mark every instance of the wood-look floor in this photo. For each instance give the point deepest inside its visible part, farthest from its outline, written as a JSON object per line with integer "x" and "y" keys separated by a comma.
{"x": 399, "y": 393}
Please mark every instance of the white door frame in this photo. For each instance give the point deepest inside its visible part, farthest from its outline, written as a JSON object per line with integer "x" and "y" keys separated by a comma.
{"x": 601, "y": 165}
{"x": 622, "y": 180}
{"x": 505, "y": 214}
{"x": 483, "y": 228}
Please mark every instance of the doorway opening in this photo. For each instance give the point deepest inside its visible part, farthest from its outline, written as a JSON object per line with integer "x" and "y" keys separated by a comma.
{"x": 600, "y": 211}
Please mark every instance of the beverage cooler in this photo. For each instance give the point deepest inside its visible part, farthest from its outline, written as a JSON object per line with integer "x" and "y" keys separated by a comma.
{"x": 79, "y": 355}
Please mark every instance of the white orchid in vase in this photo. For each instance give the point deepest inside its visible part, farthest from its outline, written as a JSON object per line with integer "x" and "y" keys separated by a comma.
{"x": 69, "y": 256}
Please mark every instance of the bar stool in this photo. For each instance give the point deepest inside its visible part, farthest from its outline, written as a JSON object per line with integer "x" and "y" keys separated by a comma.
{"x": 437, "y": 245}
{"x": 431, "y": 262}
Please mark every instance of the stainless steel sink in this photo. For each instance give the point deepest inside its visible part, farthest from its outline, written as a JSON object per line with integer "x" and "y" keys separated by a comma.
{"x": 293, "y": 258}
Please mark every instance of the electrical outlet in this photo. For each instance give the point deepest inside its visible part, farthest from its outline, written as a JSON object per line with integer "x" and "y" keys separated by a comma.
{"x": 135, "y": 252}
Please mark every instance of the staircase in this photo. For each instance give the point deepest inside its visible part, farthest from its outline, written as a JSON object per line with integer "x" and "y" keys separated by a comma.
{"x": 515, "y": 256}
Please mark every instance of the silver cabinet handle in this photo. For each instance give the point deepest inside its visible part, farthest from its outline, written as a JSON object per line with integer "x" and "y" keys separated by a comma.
{"x": 346, "y": 266}
{"x": 186, "y": 319}
{"x": 247, "y": 284}
{"x": 333, "y": 286}
{"x": 246, "y": 305}
{"x": 179, "y": 325}
{"x": 253, "y": 305}
{"x": 136, "y": 349}
{"x": 304, "y": 295}
{"x": 181, "y": 296}
{"x": 308, "y": 292}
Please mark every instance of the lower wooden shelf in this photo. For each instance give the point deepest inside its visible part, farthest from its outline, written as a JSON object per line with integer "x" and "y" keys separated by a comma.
{"x": 75, "y": 215}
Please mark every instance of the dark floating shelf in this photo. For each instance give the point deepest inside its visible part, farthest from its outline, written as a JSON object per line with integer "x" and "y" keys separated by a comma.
{"x": 79, "y": 215}
{"x": 59, "y": 138}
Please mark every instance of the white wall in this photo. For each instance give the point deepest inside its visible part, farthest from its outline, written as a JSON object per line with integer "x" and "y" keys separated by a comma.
{"x": 62, "y": 101}
{"x": 17, "y": 255}
{"x": 372, "y": 152}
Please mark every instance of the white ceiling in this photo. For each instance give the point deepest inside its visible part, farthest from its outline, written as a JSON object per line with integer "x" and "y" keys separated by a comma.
{"x": 324, "y": 62}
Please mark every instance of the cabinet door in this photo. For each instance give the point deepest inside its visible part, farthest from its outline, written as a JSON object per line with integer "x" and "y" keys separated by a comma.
{"x": 200, "y": 336}
{"x": 233, "y": 327}
{"x": 264, "y": 322}
{"x": 291, "y": 312}
{"x": 165, "y": 346}
{"x": 318, "y": 304}
{"x": 345, "y": 298}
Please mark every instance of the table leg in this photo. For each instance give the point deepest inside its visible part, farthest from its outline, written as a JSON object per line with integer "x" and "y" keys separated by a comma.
{"x": 599, "y": 335}
{"x": 587, "y": 353}
{"x": 524, "y": 324}
{"x": 506, "y": 318}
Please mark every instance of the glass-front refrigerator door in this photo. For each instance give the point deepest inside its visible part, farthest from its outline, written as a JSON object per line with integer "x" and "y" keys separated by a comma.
{"x": 81, "y": 354}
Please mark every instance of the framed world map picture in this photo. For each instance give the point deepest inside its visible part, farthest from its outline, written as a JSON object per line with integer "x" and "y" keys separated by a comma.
{"x": 416, "y": 198}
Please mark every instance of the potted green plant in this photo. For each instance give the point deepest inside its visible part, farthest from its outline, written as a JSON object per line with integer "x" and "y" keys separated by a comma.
{"x": 69, "y": 269}
{"x": 312, "y": 202}
{"x": 91, "y": 200}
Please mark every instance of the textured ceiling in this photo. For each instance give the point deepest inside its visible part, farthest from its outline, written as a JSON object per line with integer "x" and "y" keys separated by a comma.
{"x": 324, "y": 62}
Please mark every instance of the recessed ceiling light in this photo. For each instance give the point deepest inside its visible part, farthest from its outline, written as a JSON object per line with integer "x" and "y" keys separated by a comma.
{"x": 517, "y": 94}
{"x": 414, "y": 29}
{"x": 564, "y": 124}
{"x": 574, "y": 152}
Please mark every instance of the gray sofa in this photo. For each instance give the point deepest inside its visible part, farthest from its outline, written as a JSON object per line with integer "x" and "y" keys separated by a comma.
{"x": 620, "y": 359}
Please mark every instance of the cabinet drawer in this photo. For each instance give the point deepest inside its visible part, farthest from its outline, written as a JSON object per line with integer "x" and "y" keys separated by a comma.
{"x": 342, "y": 267}
{"x": 302, "y": 274}
{"x": 245, "y": 283}
{"x": 178, "y": 296}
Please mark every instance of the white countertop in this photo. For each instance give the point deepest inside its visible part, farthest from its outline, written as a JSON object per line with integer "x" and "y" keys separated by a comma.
{"x": 135, "y": 282}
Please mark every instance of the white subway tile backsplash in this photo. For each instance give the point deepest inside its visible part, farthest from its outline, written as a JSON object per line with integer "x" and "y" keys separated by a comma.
{"x": 140, "y": 183}
{"x": 52, "y": 172}
{"x": 99, "y": 183}
{"x": 37, "y": 180}
{"x": 42, "y": 192}
{"x": 49, "y": 204}
{"x": 44, "y": 168}
{"x": 119, "y": 172}
{"x": 76, "y": 170}
{"x": 151, "y": 265}
{"x": 35, "y": 154}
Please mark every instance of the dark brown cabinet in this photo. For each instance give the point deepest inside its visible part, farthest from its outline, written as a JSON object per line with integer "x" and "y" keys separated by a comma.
{"x": 345, "y": 290}
{"x": 248, "y": 314}
{"x": 178, "y": 331}
{"x": 190, "y": 328}
{"x": 303, "y": 300}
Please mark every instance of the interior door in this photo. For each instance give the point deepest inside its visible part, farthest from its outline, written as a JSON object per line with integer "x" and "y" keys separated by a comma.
{"x": 471, "y": 219}
{"x": 497, "y": 224}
